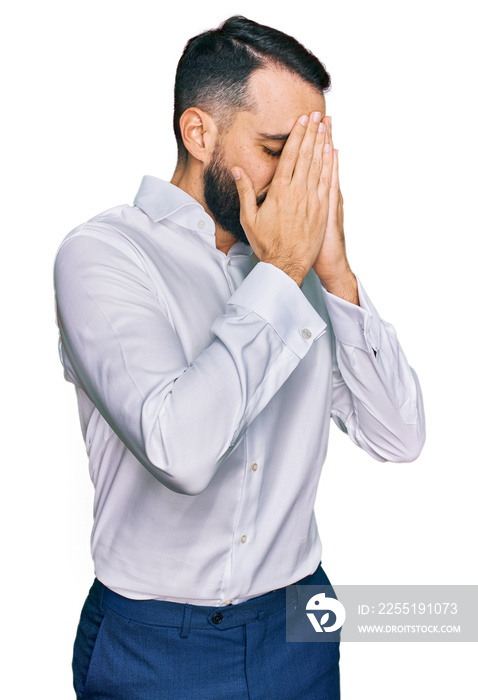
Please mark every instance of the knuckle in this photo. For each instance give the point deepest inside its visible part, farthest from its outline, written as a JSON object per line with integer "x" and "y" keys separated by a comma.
{"x": 288, "y": 157}
{"x": 316, "y": 162}
{"x": 305, "y": 153}
{"x": 280, "y": 185}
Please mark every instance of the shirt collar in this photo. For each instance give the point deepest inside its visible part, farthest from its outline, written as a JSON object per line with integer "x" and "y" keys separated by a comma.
{"x": 160, "y": 200}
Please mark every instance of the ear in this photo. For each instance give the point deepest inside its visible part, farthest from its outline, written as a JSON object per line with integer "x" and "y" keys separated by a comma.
{"x": 199, "y": 133}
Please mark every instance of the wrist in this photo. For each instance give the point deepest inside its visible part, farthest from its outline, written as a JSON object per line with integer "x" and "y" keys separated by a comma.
{"x": 293, "y": 270}
{"x": 343, "y": 285}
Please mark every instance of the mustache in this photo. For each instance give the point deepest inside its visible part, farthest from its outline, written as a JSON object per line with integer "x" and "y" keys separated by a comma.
{"x": 261, "y": 198}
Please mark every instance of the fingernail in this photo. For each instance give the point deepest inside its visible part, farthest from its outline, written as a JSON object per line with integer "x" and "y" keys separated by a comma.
{"x": 316, "y": 117}
{"x": 304, "y": 119}
{"x": 327, "y": 148}
{"x": 321, "y": 126}
{"x": 236, "y": 174}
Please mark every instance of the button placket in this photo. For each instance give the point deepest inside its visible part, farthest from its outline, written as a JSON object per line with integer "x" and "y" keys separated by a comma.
{"x": 226, "y": 266}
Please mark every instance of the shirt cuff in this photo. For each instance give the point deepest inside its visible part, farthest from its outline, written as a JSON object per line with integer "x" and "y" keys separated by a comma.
{"x": 274, "y": 296}
{"x": 354, "y": 325}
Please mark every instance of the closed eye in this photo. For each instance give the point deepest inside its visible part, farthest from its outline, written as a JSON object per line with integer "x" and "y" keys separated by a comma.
{"x": 271, "y": 152}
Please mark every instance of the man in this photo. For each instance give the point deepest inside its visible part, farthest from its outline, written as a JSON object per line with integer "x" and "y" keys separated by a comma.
{"x": 211, "y": 330}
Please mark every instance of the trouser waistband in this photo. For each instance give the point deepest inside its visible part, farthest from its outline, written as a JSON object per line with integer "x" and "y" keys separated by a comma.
{"x": 186, "y": 616}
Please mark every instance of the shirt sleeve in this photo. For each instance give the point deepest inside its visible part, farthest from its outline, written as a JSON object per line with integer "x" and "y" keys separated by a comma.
{"x": 118, "y": 343}
{"x": 376, "y": 394}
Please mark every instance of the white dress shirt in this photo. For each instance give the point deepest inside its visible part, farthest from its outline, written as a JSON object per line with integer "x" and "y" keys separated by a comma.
{"x": 205, "y": 385}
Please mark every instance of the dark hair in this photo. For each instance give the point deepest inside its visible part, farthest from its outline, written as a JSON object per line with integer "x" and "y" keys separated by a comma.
{"x": 214, "y": 70}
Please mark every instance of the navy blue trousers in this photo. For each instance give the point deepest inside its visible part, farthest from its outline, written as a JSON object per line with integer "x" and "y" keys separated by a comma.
{"x": 153, "y": 650}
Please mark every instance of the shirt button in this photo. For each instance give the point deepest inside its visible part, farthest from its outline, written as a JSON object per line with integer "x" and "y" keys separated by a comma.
{"x": 229, "y": 261}
{"x": 201, "y": 223}
{"x": 254, "y": 467}
{"x": 217, "y": 618}
{"x": 228, "y": 602}
{"x": 305, "y": 333}
{"x": 244, "y": 539}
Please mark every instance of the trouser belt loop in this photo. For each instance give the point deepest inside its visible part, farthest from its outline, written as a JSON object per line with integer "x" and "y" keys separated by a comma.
{"x": 186, "y": 626}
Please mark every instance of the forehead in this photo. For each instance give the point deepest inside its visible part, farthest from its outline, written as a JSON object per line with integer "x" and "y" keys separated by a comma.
{"x": 280, "y": 98}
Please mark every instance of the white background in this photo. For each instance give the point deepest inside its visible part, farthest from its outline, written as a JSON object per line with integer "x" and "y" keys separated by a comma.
{"x": 87, "y": 110}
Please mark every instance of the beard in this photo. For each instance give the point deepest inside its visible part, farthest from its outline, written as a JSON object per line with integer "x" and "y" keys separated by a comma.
{"x": 222, "y": 199}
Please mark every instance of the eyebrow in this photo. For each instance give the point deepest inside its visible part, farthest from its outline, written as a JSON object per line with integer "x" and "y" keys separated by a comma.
{"x": 275, "y": 137}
